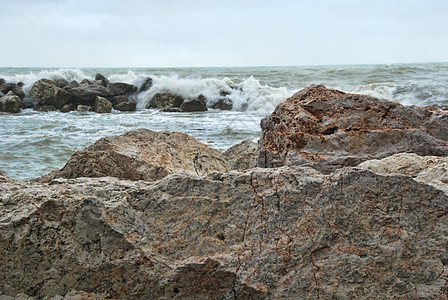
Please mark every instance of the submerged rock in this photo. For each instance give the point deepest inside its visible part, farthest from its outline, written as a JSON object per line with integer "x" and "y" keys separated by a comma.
{"x": 328, "y": 129}
{"x": 194, "y": 104}
{"x": 242, "y": 156}
{"x": 285, "y": 233}
{"x": 143, "y": 155}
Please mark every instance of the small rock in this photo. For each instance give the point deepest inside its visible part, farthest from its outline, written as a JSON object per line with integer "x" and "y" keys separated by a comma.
{"x": 16, "y": 88}
{"x": 222, "y": 104}
{"x": 68, "y": 108}
{"x": 146, "y": 85}
{"x": 84, "y": 108}
{"x": 171, "y": 109}
{"x": 11, "y": 103}
{"x": 102, "y": 105}
{"x": 194, "y": 104}
{"x": 125, "y": 106}
{"x": 45, "y": 108}
{"x": 85, "y": 82}
{"x": 101, "y": 80}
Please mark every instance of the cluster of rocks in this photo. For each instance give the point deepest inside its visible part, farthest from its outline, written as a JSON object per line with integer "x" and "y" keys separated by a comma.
{"x": 99, "y": 95}
{"x": 163, "y": 216}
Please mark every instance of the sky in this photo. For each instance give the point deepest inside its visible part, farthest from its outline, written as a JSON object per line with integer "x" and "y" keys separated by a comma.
{"x": 212, "y": 33}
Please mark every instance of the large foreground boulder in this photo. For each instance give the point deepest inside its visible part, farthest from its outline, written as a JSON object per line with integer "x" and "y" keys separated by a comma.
{"x": 143, "y": 155}
{"x": 285, "y": 233}
{"x": 328, "y": 129}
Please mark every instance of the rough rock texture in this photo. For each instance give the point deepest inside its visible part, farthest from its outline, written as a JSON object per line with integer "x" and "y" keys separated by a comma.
{"x": 125, "y": 106}
{"x": 102, "y": 105}
{"x": 46, "y": 92}
{"x": 285, "y": 233}
{"x": 222, "y": 104}
{"x": 242, "y": 156}
{"x": 16, "y": 88}
{"x": 194, "y": 104}
{"x": 166, "y": 100}
{"x": 84, "y": 108}
{"x": 68, "y": 107}
{"x": 328, "y": 129}
{"x": 86, "y": 94}
{"x": 11, "y": 103}
{"x": 45, "y": 108}
{"x": 143, "y": 155}
{"x": 146, "y": 85}
{"x": 121, "y": 88}
{"x": 101, "y": 79}
{"x": 432, "y": 170}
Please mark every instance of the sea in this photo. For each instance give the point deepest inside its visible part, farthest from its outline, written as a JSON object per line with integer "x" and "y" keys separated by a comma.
{"x": 34, "y": 143}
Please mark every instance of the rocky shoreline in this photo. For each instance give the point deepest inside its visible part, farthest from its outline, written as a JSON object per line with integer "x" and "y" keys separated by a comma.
{"x": 345, "y": 197}
{"x": 99, "y": 95}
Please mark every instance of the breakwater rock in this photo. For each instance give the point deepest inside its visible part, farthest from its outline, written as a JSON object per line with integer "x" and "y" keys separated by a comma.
{"x": 286, "y": 233}
{"x": 328, "y": 129}
{"x": 143, "y": 154}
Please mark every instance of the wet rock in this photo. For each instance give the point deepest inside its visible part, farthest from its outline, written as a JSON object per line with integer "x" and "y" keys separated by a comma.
{"x": 86, "y": 94}
{"x": 284, "y": 233}
{"x": 328, "y": 129}
{"x": 222, "y": 104}
{"x": 143, "y": 155}
{"x": 68, "y": 108}
{"x": 125, "y": 106}
{"x": 171, "y": 109}
{"x": 101, "y": 80}
{"x": 72, "y": 84}
{"x": 118, "y": 99}
{"x": 11, "y": 103}
{"x": 16, "y": 88}
{"x": 146, "y": 85}
{"x": 85, "y": 82}
{"x": 121, "y": 88}
{"x": 61, "y": 82}
{"x": 194, "y": 104}
{"x": 46, "y": 92}
{"x": 45, "y": 108}
{"x": 102, "y": 105}
{"x": 242, "y": 156}
{"x": 2, "y": 81}
{"x": 84, "y": 108}
{"x": 166, "y": 100}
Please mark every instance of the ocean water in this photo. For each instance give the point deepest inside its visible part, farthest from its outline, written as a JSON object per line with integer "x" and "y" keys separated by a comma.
{"x": 34, "y": 143}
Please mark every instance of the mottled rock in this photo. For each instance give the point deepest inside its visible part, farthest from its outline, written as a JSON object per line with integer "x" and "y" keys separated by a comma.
{"x": 171, "y": 109}
{"x": 118, "y": 99}
{"x": 146, "y": 85}
{"x": 45, "y": 108}
{"x": 285, "y": 233}
{"x": 125, "y": 106}
{"x": 165, "y": 100}
{"x": 101, "y": 80}
{"x": 328, "y": 129}
{"x": 432, "y": 170}
{"x": 121, "y": 88}
{"x": 84, "y": 108}
{"x": 46, "y": 92}
{"x": 61, "y": 82}
{"x": 68, "y": 108}
{"x": 242, "y": 156}
{"x": 194, "y": 104}
{"x": 16, "y": 88}
{"x": 11, "y": 103}
{"x": 102, "y": 105}
{"x": 143, "y": 155}
{"x": 85, "y": 82}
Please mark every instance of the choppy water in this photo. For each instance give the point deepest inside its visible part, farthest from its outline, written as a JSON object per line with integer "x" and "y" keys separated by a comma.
{"x": 33, "y": 143}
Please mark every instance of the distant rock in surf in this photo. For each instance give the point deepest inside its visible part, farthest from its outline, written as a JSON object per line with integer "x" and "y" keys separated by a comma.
{"x": 328, "y": 129}
{"x": 194, "y": 104}
{"x": 165, "y": 100}
{"x": 11, "y": 103}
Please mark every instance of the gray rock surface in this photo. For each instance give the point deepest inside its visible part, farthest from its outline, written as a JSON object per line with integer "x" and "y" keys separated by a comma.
{"x": 284, "y": 233}
{"x": 194, "y": 104}
{"x": 143, "y": 155}
{"x": 125, "y": 106}
{"x": 11, "y": 103}
{"x": 328, "y": 129}
{"x": 46, "y": 92}
{"x": 165, "y": 100}
{"x": 242, "y": 156}
{"x": 102, "y": 105}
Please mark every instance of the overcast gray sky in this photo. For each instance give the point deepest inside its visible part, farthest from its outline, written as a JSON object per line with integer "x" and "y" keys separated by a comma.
{"x": 182, "y": 33}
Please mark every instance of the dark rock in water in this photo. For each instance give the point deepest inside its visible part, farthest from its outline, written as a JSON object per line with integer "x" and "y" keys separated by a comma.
{"x": 87, "y": 94}
{"x": 171, "y": 109}
{"x": 45, "y": 108}
{"x": 125, "y": 106}
{"x": 72, "y": 84}
{"x": 222, "y": 104}
{"x": 12, "y": 87}
{"x": 61, "y": 82}
{"x": 11, "y": 103}
{"x": 68, "y": 108}
{"x": 84, "y": 108}
{"x": 2, "y": 81}
{"x": 284, "y": 233}
{"x": 166, "y": 100}
{"x": 121, "y": 88}
{"x": 194, "y": 104}
{"x": 46, "y": 92}
{"x": 85, "y": 82}
{"x": 242, "y": 156}
{"x": 328, "y": 129}
{"x": 1, "y": 94}
{"x": 143, "y": 155}
{"x": 101, "y": 80}
{"x": 146, "y": 85}
{"x": 118, "y": 99}
{"x": 102, "y": 105}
